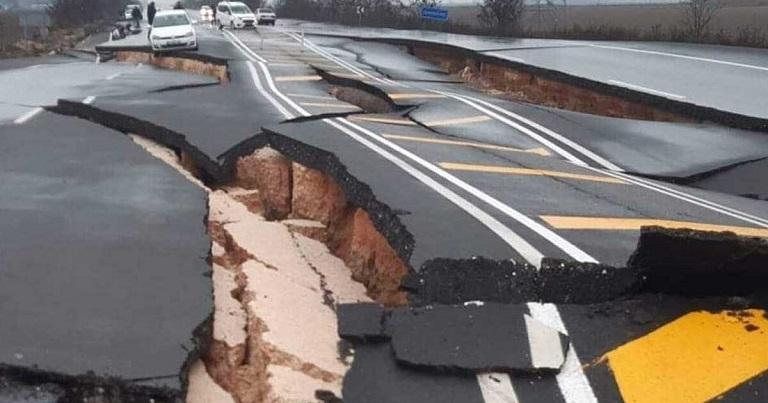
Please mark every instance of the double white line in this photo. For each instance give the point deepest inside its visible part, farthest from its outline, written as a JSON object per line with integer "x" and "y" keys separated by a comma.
{"x": 572, "y": 380}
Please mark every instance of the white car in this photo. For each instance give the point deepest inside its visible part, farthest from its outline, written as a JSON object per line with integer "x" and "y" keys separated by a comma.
{"x": 234, "y": 14}
{"x": 206, "y": 14}
{"x": 172, "y": 30}
{"x": 265, "y": 16}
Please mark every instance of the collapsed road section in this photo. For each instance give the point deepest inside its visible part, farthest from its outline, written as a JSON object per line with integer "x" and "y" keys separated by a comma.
{"x": 332, "y": 275}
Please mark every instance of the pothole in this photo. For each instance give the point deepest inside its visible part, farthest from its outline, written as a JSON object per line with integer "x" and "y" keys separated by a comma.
{"x": 537, "y": 88}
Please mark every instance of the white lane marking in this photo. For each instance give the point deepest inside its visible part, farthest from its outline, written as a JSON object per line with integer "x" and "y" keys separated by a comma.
{"x": 571, "y": 379}
{"x": 113, "y": 76}
{"x": 545, "y": 344}
{"x": 27, "y": 116}
{"x": 244, "y": 48}
{"x": 697, "y": 201}
{"x": 700, "y": 59}
{"x": 646, "y": 89}
{"x": 89, "y": 100}
{"x": 557, "y": 136}
{"x": 429, "y": 181}
{"x": 497, "y": 388}
{"x": 546, "y": 143}
{"x": 523, "y": 247}
{"x": 265, "y": 94}
{"x": 138, "y": 65}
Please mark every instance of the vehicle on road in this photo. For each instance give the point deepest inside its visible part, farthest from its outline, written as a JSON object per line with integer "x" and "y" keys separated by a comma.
{"x": 172, "y": 30}
{"x": 234, "y": 14}
{"x": 265, "y": 16}
{"x": 206, "y": 14}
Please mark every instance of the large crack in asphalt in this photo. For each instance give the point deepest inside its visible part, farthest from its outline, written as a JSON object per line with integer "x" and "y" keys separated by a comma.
{"x": 445, "y": 281}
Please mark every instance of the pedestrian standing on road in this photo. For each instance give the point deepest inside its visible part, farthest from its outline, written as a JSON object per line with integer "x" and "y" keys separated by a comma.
{"x": 151, "y": 10}
{"x": 213, "y": 21}
{"x": 136, "y": 15}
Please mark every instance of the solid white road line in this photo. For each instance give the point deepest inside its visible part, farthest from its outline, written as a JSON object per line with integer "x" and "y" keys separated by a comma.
{"x": 646, "y": 89}
{"x": 497, "y": 388}
{"x": 89, "y": 100}
{"x": 697, "y": 201}
{"x": 27, "y": 116}
{"x": 265, "y": 94}
{"x": 541, "y": 339}
{"x": 545, "y": 142}
{"x": 700, "y": 59}
{"x": 113, "y": 76}
{"x": 504, "y": 393}
{"x": 571, "y": 379}
{"x": 552, "y": 134}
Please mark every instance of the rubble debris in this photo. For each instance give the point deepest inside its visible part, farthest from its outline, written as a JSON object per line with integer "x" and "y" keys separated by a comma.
{"x": 488, "y": 338}
{"x": 361, "y": 322}
{"x": 700, "y": 263}
{"x": 455, "y": 281}
{"x": 376, "y": 377}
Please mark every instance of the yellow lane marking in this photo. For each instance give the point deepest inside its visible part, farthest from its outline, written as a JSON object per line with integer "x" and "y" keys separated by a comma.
{"x": 415, "y": 95}
{"x": 634, "y": 224}
{"x": 328, "y": 105}
{"x": 298, "y": 78}
{"x": 526, "y": 171}
{"x": 694, "y": 358}
{"x": 540, "y": 151}
{"x": 390, "y": 121}
{"x": 458, "y": 121}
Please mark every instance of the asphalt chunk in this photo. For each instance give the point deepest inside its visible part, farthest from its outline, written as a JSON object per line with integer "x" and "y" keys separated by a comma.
{"x": 699, "y": 263}
{"x": 361, "y": 322}
{"x": 475, "y": 338}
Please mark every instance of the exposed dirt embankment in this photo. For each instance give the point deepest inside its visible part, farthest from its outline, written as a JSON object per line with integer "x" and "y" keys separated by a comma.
{"x": 290, "y": 190}
{"x": 528, "y": 86}
{"x": 208, "y": 66}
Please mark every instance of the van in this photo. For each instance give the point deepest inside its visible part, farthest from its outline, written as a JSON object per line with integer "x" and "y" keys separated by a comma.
{"x": 234, "y": 14}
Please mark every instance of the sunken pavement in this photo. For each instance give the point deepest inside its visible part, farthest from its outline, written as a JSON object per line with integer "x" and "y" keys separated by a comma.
{"x": 181, "y": 239}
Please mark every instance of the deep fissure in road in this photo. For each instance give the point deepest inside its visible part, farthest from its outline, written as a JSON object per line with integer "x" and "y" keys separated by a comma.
{"x": 525, "y": 85}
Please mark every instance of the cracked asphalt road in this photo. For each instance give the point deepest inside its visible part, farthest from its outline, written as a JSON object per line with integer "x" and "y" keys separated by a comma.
{"x": 469, "y": 174}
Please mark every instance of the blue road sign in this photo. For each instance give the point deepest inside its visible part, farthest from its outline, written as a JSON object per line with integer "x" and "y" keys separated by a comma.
{"x": 433, "y": 13}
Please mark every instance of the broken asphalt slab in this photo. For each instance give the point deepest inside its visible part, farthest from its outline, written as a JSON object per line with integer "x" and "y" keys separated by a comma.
{"x": 455, "y": 281}
{"x": 699, "y": 263}
{"x": 103, "y": 256}
{"x": 475, "y": 338}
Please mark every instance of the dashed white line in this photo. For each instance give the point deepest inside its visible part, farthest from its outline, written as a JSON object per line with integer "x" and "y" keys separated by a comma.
{"x": 113, "y": 76}
{"x": 27, "y": 116}
{"x": 496, "y": 388}
{"x": 571, "y": 379}
{"x": 700, "y": 59}
{"x": 646, "y": 89}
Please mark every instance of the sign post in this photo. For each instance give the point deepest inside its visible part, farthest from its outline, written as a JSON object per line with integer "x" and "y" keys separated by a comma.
{"x": 434, "y": 14}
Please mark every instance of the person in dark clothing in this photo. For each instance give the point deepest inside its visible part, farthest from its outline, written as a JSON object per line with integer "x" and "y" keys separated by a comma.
{"x": 178, "y": 6}
{"x": 136, "y": 15}
{"x": 215, "y": 10}
{"x": 151, "y": 11}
